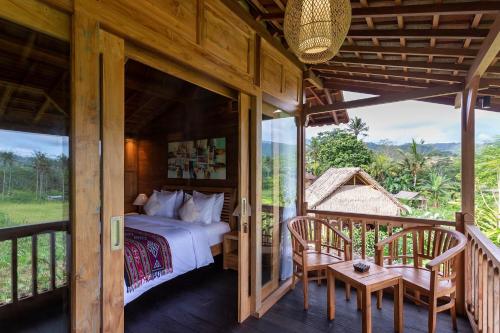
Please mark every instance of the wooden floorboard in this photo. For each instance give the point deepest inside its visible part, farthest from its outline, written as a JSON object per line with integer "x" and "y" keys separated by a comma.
{"x": 205, "y": 301}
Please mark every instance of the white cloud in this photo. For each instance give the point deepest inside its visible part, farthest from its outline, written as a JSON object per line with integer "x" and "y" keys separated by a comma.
{"x": 402, "y": 121}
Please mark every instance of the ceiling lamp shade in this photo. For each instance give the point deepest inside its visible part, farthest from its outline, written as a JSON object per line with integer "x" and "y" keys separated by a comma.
{"x": 316, "y": 29}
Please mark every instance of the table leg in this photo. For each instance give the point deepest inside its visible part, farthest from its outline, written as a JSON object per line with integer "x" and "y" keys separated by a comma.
{"x": 367, "y": 310}
{"x": 331, "y": 294}
{"x": 358, "y": 299}
{"x": 398, "y": 306}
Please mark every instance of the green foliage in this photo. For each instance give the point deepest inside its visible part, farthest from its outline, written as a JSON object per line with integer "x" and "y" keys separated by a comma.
{"x": 337, "y": 148}
{"x": 357, "y": 126}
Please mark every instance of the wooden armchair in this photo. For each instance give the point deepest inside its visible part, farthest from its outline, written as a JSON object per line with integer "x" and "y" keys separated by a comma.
{"x": 429, "y": 270}
{"x": 316, "y": 244}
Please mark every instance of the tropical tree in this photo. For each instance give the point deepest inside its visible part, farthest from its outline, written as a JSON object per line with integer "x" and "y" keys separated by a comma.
{"x": 337, "y": 148}
{"x": 436, "y": 186}
{"x": 413, "y": 160}
{"x": 381, "y": 167}
{"x": 7, "y": 159}
{"x": 357, "y": 126}
{"x": 41, "y": 165}
{"x": 62, "y": 166}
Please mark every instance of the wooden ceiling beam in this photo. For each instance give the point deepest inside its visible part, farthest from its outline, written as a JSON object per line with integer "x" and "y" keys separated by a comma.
{"x": 390, "y": 82}
{"x": 313, "y": 79}
{"x": 325, "y": 69}
{"x": 4, "y": 101}
{"x": 328, "y": 96}
{"x": 466, "y": 8}
{"x": 487, "y": 53}
{"x": 423, "y": 51}
{"x": 419, "y": 33}
{"x": 411, "y": 64}
{"x": 387, "y": 98}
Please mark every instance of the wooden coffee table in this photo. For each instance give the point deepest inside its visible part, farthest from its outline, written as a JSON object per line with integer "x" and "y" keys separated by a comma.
{"x": 376, "y": 279}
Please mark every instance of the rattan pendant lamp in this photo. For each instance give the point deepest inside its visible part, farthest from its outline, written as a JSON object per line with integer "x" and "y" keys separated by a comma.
{"x": 315, "y": 29}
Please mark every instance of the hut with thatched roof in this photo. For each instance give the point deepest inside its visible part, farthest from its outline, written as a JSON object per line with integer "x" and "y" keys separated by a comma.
{"x": 351, "y": 190}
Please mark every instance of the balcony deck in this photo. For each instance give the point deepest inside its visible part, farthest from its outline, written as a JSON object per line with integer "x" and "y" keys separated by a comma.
{"x": 205, "y": 301}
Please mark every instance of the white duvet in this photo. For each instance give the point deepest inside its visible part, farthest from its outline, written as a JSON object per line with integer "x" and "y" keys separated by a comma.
{"x": 189, "y": 246}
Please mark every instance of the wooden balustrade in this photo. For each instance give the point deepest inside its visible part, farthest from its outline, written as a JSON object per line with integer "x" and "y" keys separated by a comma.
{"x": 482, "y": 281}
{"x": 359, "y": 227}
{"x": 37, "y": 296}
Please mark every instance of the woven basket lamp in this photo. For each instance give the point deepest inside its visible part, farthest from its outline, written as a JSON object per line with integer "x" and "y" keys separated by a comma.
{"x": 316, "y": 29}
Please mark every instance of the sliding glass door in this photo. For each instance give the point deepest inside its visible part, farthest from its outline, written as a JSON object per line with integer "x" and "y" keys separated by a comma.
{"x": 279, "y": 195}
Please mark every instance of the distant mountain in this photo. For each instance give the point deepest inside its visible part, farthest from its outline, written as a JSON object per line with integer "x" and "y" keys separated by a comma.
{"x": 285, "y": 149}
{"x": 441, "y": 149}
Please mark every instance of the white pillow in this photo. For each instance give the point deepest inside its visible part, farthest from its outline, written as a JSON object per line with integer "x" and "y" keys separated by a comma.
{"x": 179, "y": 200}
{"x": 205, "y": 204}
{"x": 153, "y": 205}
{"x": 218, "y": 205}
{"x": 167, "y": 204}
{"x": 189, "y": 212}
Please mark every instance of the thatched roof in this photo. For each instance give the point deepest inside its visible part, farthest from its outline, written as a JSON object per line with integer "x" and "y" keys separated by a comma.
{"x": 407, "y": 195}
{"x": 335, "y": 190}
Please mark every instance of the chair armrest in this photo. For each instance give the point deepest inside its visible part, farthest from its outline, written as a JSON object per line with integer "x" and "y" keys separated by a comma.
{"x": 446, "y": 256}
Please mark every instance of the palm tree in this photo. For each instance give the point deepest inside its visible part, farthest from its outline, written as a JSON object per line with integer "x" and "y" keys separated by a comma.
{"x": 41, "y": 165}
{"x": 380, "y": 167}
{"x": 413, "y": 160}
{"x": 62, "y": 165}
{"x": 436, "y": 186}
{"x": 357, "y": 126}
{"x": 9, "y": 159}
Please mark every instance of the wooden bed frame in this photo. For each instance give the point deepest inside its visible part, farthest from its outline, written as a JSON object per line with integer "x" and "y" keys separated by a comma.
{"x": 227, "y": 209}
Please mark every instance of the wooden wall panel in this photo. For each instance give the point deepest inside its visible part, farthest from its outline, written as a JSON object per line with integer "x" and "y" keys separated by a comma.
{"x": 113, "y": 120}
{"x": 279, "y": 77}
{"x": 145, "y": 23}
{"x": 85, "y": 228}
{"x": 228, "y": 38}
{"x": 131, "y": 168}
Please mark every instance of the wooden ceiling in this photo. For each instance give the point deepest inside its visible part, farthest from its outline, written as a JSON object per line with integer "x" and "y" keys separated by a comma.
{"x": 34, "y": 81}
{"x": 399, "y": 46}
{"x": 157, "y": 103}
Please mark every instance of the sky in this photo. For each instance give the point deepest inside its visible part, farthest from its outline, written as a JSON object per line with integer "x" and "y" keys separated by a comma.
{"x": 400, "y": 122}
{"x": 396, "y": 122}
{"x": 25, "y": 144}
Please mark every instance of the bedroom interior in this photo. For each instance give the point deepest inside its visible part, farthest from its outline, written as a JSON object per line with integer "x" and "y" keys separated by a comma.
{"x": 169, "y": 149}
{"x": 122, "y": 123}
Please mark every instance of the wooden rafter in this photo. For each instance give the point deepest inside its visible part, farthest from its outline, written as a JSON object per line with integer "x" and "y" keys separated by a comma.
{"x": 388, "y": 98}
{"x": 419, "y": 33}
{"x": 49, "y": 101}
{"x": 423, "y": 51}
{"x": 487, "y": 53}
{"x": 8, "y": 90}
{"x": 325, "y": 69}
{"x": 479, "y": 7}
{"x": 384, "y": 81}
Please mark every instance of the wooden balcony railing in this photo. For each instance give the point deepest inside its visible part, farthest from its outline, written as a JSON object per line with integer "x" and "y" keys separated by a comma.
{"x": 482, "y": 281}
{"x": 365, "y": 230}
{"x": 39, "y": 294}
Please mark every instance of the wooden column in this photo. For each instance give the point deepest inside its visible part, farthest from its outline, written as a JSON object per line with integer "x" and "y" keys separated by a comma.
{"x": 468, "y": 149}
{"x": 85, "y": 210}
{"x": 113, "y": 128}
{"x": 256, "y": 191}
{"x": 301, "y": 170}
{"x": 467, "y": 186}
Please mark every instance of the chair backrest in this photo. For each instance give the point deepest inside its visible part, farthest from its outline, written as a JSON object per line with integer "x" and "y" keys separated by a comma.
{"x": 316, "y": 234}
{"x": 431, "y": 242}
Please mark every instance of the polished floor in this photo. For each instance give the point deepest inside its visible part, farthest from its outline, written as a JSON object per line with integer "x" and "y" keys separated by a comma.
{"x": 205, "y": 301}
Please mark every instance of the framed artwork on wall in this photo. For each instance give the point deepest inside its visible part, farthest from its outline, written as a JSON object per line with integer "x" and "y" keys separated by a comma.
{"x": 197, "y": 159}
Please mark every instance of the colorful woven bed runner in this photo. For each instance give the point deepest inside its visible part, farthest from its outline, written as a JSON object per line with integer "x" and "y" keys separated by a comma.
{"x": 147, "y": 257}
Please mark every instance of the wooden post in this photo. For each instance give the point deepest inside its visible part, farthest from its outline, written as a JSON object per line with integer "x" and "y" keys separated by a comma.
{"x": 301, "y": 170}
{"x": 468, "y": 148}
{"x": 85, "y": 208}
{"x": 113, "y": 128}
{"x": 256, "y": 191}
{"x": 461, "y": 271}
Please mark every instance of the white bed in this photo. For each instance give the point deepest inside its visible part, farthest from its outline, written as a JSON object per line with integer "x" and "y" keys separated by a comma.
{"x": 189, "y": 245}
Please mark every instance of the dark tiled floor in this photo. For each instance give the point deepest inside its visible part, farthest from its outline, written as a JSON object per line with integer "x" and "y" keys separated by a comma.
{"x": 205, "y": 301}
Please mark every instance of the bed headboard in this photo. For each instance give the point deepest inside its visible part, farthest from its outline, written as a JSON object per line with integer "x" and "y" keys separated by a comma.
{"x": 229, "y": 199}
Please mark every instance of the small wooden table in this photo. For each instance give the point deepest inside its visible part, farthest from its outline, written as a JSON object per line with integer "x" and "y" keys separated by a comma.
{"x": 376, "y": 279}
